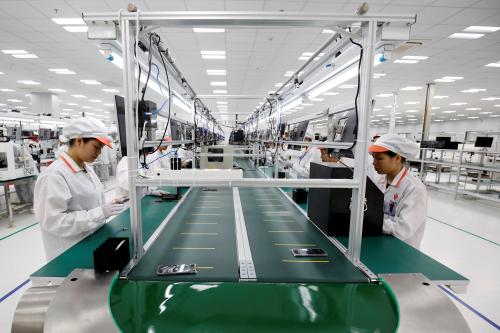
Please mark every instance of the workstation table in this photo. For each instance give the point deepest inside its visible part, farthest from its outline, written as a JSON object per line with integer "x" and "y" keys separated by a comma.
{"x": 287, "y": 294}
{"x": 8, "y": 202}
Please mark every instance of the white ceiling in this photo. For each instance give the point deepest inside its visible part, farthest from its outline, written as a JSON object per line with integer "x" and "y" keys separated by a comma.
{"x": 256, "y": 59}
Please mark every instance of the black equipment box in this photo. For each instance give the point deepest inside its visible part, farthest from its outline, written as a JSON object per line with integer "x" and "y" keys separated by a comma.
{"x": 113, "y": 254}
{"x": 299, "y": 195}
{"x": 330, "y": 210}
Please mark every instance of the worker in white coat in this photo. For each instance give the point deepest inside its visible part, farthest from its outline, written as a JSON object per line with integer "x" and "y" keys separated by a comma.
{"x": 69, "y": 199}
{"x": 405, "y": 197}
{"x": 310, "y": 154}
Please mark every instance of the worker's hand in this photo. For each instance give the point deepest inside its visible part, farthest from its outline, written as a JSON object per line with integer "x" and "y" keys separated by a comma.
{"x": 120, "y": 200}
{"x": 158, "y": 193}
{"x": 110, "y": 209}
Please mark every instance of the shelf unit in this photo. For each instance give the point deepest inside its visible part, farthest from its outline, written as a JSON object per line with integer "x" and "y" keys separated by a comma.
{"x": 461, "y": 172}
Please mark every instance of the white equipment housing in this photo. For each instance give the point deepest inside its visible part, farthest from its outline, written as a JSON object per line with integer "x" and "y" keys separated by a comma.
{"x": 12, "y": 167}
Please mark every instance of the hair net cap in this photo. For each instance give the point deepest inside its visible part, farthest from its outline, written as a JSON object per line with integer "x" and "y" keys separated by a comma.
{"x": 395, "y": 143}
{"x": 309, "y": 134}
{"x": 86, "y": 127}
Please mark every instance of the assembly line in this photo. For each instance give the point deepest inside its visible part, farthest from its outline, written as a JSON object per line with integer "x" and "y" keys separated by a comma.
{"x": 270, "y": 225}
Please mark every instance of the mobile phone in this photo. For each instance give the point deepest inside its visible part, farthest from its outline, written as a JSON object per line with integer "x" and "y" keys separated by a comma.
{"x": 176, "y": 269}
{"x": 309, "y": 252}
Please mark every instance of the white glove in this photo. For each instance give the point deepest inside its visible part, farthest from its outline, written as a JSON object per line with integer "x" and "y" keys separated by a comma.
{"x": 110, "y": 209}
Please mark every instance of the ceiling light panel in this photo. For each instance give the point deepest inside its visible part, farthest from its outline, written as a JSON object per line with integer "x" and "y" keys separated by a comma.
{"x": 461, "y": 35}
{"x": 216, "y": 71}
{"x": 25, "y": 56}
{"x": 69, "y": 21}
{"x": 208, "y": 30}
{"x": 76, "y": 28}
{"x": 403, "y": 61}
{"x": 479, "y": 28}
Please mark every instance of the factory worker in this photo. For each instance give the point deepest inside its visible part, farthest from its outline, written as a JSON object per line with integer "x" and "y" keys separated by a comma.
{"x": 69, "y": 199}
{"x": 269, "y": 153}
{"x": 405, "y": 197}
{"x": 25, "y": 190}
{"x": 185, "y": 153}
{"x": 113, "y": 158}
{"x": 311, "y": 154}
{"x": 160, "y": 159}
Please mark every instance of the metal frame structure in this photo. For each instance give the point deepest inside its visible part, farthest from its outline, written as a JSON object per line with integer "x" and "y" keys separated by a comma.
{"x": 128, "y": 23}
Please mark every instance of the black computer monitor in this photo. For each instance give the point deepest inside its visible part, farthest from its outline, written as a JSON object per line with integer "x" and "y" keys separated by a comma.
{"x": 343, "y": 128}
{"x": 329, "y": 208}
{"x": 120, "y": 117}
{"x": 443, "y": 138}
{"x": 44, "y": 133}
{"x": 175, "y": 130}
{"x": 484, "y": 141}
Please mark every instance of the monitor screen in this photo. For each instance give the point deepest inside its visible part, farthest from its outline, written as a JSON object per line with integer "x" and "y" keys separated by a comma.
{"x": 443, "y": 138}
{"x": 175, "y": 130}
{"x": 343, "y": 128}
{"x": 120, "y": 117}
{"x": 484, "y": 142}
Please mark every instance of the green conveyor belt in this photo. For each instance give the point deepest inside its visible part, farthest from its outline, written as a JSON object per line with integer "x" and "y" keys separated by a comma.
{"x": 275, "y": 226}
{"x": 388, "y": 254}
{"x": 141, "y": 306}
{"x": 202, "y": 232}
{"x": 154, "y": 211}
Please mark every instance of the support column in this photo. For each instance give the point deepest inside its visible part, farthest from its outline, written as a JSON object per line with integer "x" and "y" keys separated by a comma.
{"x": 130, "y": 86}
{"x": 364, "y": 104}
{"x": 427, "y": 112}
{"x": 392, "y": 122}
{"x": 45, "y": 103}
{"x": 276, "y": 142}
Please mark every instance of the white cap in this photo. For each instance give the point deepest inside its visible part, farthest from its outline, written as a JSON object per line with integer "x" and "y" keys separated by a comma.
{"x": 86, "y": 127}
{"x": 395, "y": 143}
{"x": 309, "y": 134}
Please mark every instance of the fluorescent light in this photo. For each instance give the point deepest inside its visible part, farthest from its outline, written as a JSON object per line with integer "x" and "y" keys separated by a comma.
{"x": 462, "y": 35}
{"x": 290, "y": 105}
{"x": 110, "y": 90}
{"x": 411, "y": 111}
{"x": 443, "y": 80}
{"x": 450, "y": 111}
{"x": 490, "y": 98}
{"x": 213, "y": 52}
{"x": 108, "y": 104}
{"x": 411, "y": 103}
{"x": 28, "y": 82}
{"x": 95, "y": 100}
{"x": 25, "y": 56}
{"x": 415, "y": 57}
{"x": 473, "y": 117}
{"x": 86, "y": 107}
{"x": 76, "y": 28}
{"x": 458, "y": 103}
{"x": 182, "y": 104}
{"x": 216, "y": 71}
{"x": 67, "y": 109}
{"x": 403, "y": 61}
{"x": 473, "y": 90}
{"x": 220, "y": 84}
{"x": 485, "y": 112}
{"x": 79, "y": 96}
{"x": 307, "y": 104}
{"x": 348, "y": 86}
{"x": 438, "y": 120}
{"x": 411, "y": 88}
{"x": 479, "y": 28}
{"x": 331, "y": 93}
{"x": 56, "y": 90}
{"x": 493, "y": 64}
{"x": 69, "y": 21}
{"x": 220, "y": 91}
{"x": 440, "y": 97}
{"x": 316, "y": 99}
{"x": 453, "y": 77}
{"x": 383, "y": 95}
{"x": 221, "y": 102}
{"x": 90, "y": 82}
{"x": 279, "y": 84}
{"x": 473, "y": 109}
{"x": 71, "y": 104}
{"x": 202, "y": 30}
{"x": 15, "y": 100}
{"x": 1, "y": 73}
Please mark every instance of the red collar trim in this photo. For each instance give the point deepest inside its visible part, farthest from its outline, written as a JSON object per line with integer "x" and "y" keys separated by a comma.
{"x": 401, "y": 178}
{"x": 68, "y": 164}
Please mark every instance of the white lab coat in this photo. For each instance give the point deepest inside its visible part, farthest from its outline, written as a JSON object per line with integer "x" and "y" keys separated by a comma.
{"x": 184, "y": 154}
{"x": 302, "y": 167}
{"x": 25, "y": 191}
{"x": 67, "y": 204}
{"x": 160, "y": 160}
{"x": 405, "y": 207}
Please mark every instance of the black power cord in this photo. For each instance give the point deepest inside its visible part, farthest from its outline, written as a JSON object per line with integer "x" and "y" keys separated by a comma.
{"x": 357, "y": 91}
